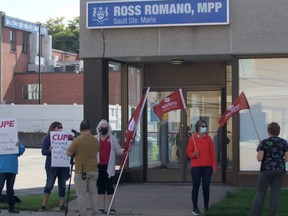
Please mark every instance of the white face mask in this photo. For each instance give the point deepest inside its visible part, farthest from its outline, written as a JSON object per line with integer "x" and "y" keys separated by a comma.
{"x": 203, "y": 130}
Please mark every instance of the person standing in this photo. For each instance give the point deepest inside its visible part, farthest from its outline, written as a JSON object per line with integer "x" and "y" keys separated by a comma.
{"x": 61, "y": 173}
{"x": 85, "y": 149}
{"x": 201, "y": 152}
{"x": 8, "y": 172}
{"x": 273, "y": 154}
{"x": 109, "y": 147}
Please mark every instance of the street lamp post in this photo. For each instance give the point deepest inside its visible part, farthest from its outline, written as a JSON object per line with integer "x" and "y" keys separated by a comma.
{"x": 39, "y": 62}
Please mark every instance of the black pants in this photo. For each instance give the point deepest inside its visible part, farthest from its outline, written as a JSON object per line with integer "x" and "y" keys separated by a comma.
{"x": 199, "y": 174}
{"x": 104, "y": 183}
{"x": 10, "y": 180}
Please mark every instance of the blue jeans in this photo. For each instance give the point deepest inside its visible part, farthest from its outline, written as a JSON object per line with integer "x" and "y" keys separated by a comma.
{"x": 10, "y": 180}
{"x": 198, "y": 174}
{"x": 62, "y": 174}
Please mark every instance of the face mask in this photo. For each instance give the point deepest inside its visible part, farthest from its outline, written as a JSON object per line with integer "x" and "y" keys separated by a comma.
{"x": 103, "y": 131}
{"x": 203, "y": 130}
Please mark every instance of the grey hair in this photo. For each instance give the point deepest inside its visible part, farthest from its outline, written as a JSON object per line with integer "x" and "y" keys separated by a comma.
{"x": 106, "y": 123}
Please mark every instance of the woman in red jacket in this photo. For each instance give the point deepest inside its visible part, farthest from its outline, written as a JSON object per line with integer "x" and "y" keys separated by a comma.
{"x": 201, "y": 152}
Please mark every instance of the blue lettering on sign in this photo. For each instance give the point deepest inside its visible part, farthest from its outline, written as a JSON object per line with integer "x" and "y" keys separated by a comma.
{"x": 116, "y": 14}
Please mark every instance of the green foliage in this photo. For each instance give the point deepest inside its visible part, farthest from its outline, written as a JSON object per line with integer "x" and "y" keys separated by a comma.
{"x": 239, "y": 203}
{"x": 32, "y": 202}
{"x": 64, "y": 37}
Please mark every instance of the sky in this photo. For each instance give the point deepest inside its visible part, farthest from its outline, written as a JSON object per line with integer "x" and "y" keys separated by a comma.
{"x": 40, "y": 10}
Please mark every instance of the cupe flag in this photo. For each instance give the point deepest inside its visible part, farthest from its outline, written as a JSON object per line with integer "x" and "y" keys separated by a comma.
{"x": 239, "y": 104}
{"x": 173, "y": 101}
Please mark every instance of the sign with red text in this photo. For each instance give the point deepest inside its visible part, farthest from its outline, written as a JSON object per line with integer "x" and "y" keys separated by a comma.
{"x": 8, "y": 136}
{"x": 60, "y": 141}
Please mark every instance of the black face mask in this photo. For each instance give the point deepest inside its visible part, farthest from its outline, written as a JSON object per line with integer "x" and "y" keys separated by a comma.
{"x": 103, "y": 131}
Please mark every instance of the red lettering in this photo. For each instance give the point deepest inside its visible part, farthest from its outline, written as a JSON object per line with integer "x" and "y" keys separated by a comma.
{"x": 60, "y": 137}
{"x": 7, "y": 124}
{"x": 65, "y": 137}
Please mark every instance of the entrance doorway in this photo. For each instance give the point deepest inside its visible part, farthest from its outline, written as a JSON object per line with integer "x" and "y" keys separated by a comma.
{"x": 167, "y": 140}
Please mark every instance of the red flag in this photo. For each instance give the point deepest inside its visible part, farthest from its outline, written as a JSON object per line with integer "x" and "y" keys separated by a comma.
{"x": 173, "y": 101}
{"x": 133, "y": 122}
{"x": 239, "y": 104}
{"x": 132, "y": 128}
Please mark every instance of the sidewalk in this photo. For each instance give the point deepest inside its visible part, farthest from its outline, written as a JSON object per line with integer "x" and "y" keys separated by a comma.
{"x": 145, "y": 199}
{"x": 137, "y": 199}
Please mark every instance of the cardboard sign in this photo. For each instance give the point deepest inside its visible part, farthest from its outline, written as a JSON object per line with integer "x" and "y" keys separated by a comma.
{"x": 60, "y": 141}
{"x": 8, "y": 136}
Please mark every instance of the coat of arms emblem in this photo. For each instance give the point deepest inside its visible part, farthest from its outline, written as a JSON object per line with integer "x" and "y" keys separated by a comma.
{"x": 100, "y": 14}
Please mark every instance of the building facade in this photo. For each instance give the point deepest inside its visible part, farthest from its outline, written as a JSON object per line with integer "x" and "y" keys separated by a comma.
{"x": 61, "y": 73}
{"x": 212, "y": 51}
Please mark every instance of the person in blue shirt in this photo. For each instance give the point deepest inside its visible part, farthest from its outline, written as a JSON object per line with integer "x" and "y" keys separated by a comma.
{"x": 8, "y": 172}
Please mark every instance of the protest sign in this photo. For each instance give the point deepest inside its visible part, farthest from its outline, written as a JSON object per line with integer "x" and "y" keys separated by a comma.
{"x": 60, "y": 141}
{"x": 8, "y": 136}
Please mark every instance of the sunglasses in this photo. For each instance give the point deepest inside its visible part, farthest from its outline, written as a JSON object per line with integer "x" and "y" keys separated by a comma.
{"x": 60, "y": 127}
{"x": 203, "y": 126}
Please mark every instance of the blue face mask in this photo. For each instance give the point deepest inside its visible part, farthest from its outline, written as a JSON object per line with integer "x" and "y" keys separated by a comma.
{"x": 203, "y": 130}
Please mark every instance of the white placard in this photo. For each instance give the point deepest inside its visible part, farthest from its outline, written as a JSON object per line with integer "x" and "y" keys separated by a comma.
{"x": 8, "y": 136}
{"x": 60, "y": 141}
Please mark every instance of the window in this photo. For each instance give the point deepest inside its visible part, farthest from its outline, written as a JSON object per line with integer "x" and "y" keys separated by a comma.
{"x": 134, "y": 96}
{"x": 12, "y": 40}
{"x": 264, "y": 82}
{"x": 31, "y": 91}
{"x": 24, "y": 42}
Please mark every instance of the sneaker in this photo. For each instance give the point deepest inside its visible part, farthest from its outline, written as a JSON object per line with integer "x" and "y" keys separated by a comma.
{"x": 43, "y": 208}
{"x": 196, "y": 212}
{"x": 62, "y": 208}
{"x": 112, "y": 211}
{"x": 13, "y": 210}
{"x": 101, "y": 211}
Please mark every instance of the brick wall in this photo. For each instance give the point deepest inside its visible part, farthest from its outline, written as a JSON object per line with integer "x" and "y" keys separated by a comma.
{"x": 57, "y": 88}
{"x": 13, "y": 61}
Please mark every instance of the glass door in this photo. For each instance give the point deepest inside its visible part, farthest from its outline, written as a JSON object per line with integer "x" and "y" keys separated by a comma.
{"x": 163, "y": 154}
{"x": 167, "y": 140}
{"x": 206, "y": 105}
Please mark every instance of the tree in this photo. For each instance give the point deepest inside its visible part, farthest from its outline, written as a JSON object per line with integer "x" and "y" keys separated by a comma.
{"x": 64, "y": 37}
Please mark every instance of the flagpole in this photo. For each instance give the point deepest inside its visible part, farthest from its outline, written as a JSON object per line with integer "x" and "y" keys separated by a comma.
{"x": 116, "y": 187}
{"x": 254, "y": 125}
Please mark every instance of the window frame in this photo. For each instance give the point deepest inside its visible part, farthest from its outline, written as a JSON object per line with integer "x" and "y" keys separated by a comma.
{"x": 12, "y": 38}
{"x": 24, "y": 42}
{"x": 28, "y": 93}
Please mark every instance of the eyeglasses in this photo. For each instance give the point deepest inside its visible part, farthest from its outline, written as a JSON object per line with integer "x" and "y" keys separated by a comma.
{"x": 60, "y": 127}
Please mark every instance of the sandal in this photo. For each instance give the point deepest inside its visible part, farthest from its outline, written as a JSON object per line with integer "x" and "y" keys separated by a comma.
{"x": 43, "y": 208}
{"x": 101, "y": 211}
{"x": 112, "y": 211}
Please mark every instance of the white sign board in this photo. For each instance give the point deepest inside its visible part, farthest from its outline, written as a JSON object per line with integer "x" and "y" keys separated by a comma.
{"x": 60, "y": 141}
{"x": 8, "y": 136}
